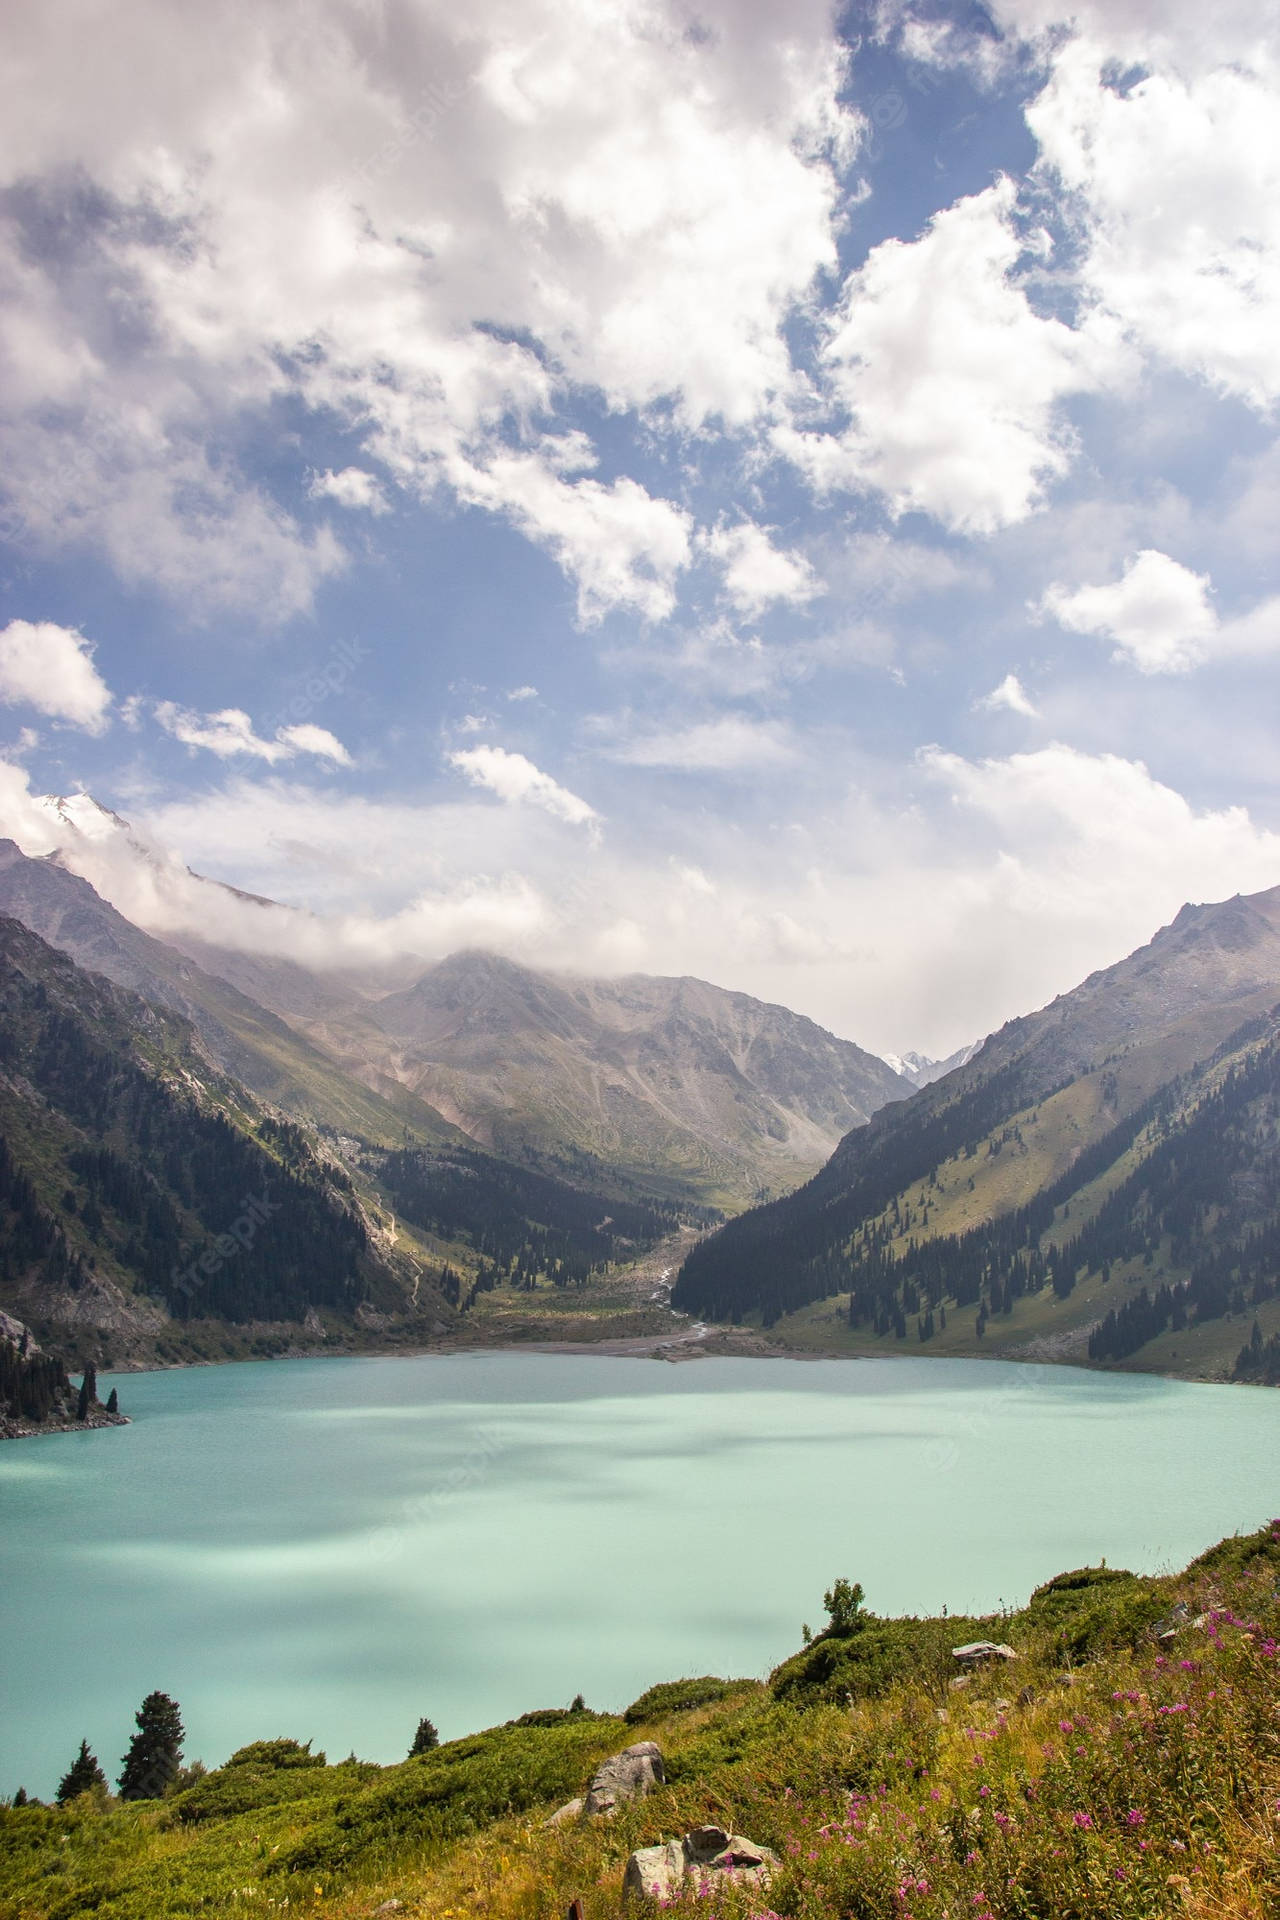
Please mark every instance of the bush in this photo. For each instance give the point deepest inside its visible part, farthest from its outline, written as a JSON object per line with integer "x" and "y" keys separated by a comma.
{"x": 681, "y": 1696}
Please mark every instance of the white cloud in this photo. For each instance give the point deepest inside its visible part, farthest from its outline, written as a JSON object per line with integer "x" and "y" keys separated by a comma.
{"x": 353, "y": 487}
{"x": 473, "y": 218}
{"x": 1010, "y": 696}
{"x": 950, "y": 378}
{"x": 1161, "y": 617}
{"x": 1178, "y": 181}
{"x": 523, "y": 693}
{"x": 229, "y": 733}
{"x": 51, "y": 668}
{"x": 758, "y": 575}
{"x": 622, "y": 547}
{"x": 900, "y": 913}
{"x": 730, "y": 744}
{"x": 307, "y": 738}
{"x": 517, "y": 781}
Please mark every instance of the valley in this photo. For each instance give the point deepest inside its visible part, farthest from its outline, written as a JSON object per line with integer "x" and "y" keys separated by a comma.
{"x": 515, "y": 1158}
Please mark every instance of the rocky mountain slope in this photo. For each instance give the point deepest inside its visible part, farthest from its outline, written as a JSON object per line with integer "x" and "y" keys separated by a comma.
{"x": 143, "y": 1191}
{"x": 1120, "y": 1139}
{"x": 673, "y": 1086}
{"x": 241, "y": 1036}
{"x": 154, "y": 1207}
{"x": 685, "y": 1088}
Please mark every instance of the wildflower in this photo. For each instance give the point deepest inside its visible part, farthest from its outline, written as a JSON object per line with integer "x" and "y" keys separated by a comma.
{"x": 1082, "y": 1819}
{"x": 1135, "y": 1817}
{"x": 1066, "y": 1726}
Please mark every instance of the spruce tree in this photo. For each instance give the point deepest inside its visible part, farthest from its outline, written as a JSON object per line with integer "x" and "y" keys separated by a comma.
{"x": 425, "y": 1739}
{"x": 113, "y": 1401}
{"x": 20, "y": 1797}
{"x": 82, "y": 1776}
{"x": 88, "y": 1392}
{"x": 155, "y": 1752}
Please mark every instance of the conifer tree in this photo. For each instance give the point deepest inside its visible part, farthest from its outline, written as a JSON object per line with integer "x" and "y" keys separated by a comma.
{"x": 82, "y": 1776}
{"x": 113, "y": 1401}
{"x": 155, "y": 1752}
{"x": 88, "y": 1392}
{"x": 425, "y": 1739}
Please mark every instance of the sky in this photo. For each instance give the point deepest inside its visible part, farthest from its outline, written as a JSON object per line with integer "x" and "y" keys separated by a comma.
{"x": 778, "y": 494}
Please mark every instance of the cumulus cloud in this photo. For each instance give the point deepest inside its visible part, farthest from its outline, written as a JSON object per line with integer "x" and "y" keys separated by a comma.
{"x": 353, "y": 487}
{"x": 517, "y": 781}
{"x": 1010, "y": 696}
{"x": 230, "y": 733}
{"x": 1191, "y": 272}
{"x": 51, "y": 668}
{"x": 474, "y": 219}
{"x": 950, "y": 378}
{"x": 758, "y": 575}
{"x": 1161, "y": 617}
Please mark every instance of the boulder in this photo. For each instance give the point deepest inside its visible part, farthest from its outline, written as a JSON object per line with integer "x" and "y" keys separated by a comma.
{"x": 979, "y": 1653}
{"x": 624, "y": 1776}
{"x": 705, "y": 1855}
{"x": 562, "y": 1815}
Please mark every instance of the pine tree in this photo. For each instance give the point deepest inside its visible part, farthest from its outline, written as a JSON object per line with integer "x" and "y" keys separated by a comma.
{"x": 82, "y": 1776}
{"x": 155, "y": 1752}
{"x": 113, "y": 1401}
{"x": 20, "y": 1797}
{"x": 425, "y": 1739}
{"x": 88, "y": 1393}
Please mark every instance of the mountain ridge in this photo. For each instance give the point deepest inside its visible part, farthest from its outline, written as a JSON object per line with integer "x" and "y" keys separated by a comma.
{"x": 958, "y": 1166}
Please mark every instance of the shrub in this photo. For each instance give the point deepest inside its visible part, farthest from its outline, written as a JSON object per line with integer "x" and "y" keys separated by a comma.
{"x": 681, "y": 1696}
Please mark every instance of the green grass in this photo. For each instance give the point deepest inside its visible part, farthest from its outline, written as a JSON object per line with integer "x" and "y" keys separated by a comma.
{"x": 1108, "y": 1773}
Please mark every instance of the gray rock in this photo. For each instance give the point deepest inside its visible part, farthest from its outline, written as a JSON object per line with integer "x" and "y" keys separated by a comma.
{"x": 562, "y": 1815}
{"x": 624, "y": 1776}
{"x": 978, "y": 1653}
{"x": 706, "y": 1854}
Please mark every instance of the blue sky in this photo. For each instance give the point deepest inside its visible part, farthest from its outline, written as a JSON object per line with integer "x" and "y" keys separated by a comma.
{"x": 789, "y": 498}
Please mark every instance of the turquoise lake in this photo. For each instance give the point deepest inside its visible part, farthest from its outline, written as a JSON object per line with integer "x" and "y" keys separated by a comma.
{"x": 332, "y": 1548}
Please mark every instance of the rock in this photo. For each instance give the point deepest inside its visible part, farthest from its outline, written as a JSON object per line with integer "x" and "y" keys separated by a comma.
{"x": 705, "y": 1854}
{"x": 562, "y": 1815}
{"x": 389, "y": 1906}
{"x": 979, "y": 1653}
{"x": 625, "y": 1776}
{"x": 655, "y": 1873}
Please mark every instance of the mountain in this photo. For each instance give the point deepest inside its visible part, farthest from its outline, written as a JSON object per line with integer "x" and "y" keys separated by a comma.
{"x": 242, "y": 1037}
{"x": 154, "y": 1207}
{"x": 140, "y": 1187}
{"x": 922, "y": 1071}
{"x": 671, "y": 1086}
{"x": 686, "y": 1089}
{"x": 1120, "y": 1139}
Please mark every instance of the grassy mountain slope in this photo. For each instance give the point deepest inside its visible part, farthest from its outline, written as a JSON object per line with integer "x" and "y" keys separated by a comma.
{"x": 693, "y": 1091}
{"x": 147, "y": 1199}
{"x": 1124, "y": 1767}
{"x": 257, "y": 1047}
{"x": 151, "y": 1206}
{"x": 955, "y": 1202}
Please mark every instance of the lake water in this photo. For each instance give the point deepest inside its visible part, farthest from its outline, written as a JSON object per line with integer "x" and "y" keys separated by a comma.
{"x": 332, "y": 1548}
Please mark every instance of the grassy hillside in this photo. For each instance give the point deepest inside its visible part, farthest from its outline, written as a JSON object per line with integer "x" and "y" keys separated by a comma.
{"x": 1125, "y": 1765}
{"x": 1100, "y": 1176}
{"x": 242, "y": 1038}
